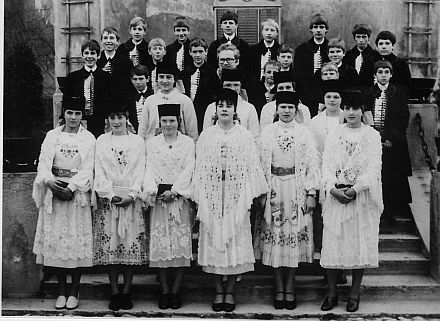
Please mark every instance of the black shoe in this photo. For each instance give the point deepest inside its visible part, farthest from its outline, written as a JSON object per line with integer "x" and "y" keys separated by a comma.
{"x": 115, "y": 302}
{"x": 164, "y": 301}
{"x": 217, "y": 307}
{"x": 278, "y": 304}
{"x": 176, "y": 301}
{"x": 290, "y": 305}
{"x": 329, "y": 303}
{"x": 353, "y": 304}
{"x": 342, "y": 278}
{"x": 229, "y": 307}
{"x": 126, "y": 303}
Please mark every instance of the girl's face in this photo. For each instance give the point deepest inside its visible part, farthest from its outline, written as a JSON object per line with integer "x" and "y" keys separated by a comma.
{"x": 118, "y": 123}
{"x": 353, "y": 115}
{"x": 165, "y": 82}
{"x": 332, "y": 101}
{"x": 225, "y": 111}
{"x": 72, "y": 118}
{"x": 169, "y": 125}
{"x": 286, "y": 112}
{"x": 137, "y": 32}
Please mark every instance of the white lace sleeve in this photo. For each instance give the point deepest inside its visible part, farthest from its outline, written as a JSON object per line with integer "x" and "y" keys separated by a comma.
{"x": 183, "y": 184}
{"x": 83, "y": 180}
{"x": 102, "y": 186}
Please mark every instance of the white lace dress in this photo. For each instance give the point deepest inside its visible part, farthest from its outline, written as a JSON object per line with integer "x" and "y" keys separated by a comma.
{"x": 290, "y": 162}
{"x": 120, "y": 234}
{"x": 170, "y": 223}
{"x": 351, "y": 231}
{"x": 63, "y": 236}
{"x": 228, "y": 176}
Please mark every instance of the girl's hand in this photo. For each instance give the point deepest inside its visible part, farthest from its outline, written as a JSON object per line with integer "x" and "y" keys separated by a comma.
{"x": 125, "y": 201}
{"x": 339, "y": 194}
{"x": 310, "y": 204}
{"x": 167, "y": 196}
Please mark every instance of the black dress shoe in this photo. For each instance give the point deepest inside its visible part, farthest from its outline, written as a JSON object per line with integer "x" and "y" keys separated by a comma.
{"x": 115, "y": 302}
{"x": 229, "y": 307}
{"x": 126, "y": 303}
{"x": 353, "y": 304}
{"x": 164, "y": 301}
{"x": 217, "y": 307}
{"x": 290, "y": 305}
{"x": 329, "y": 303}
{"x": 176, "y": 301}
{"x": 278, "y": 304}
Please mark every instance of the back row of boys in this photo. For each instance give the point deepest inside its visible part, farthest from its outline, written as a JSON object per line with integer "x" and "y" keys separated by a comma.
{"x": 129, "y": 71}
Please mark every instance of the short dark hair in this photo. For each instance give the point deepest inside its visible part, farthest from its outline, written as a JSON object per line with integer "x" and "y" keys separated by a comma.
{"x": 140, "y": 70}
{"x": 284, "y": 48}
{"x": 198, "y": 42}
{"x": 229, "y": 15}
{"x": 336, "y": 43}
{"x": 112, "y": 30}
{"x": 361, "y": 29}
{"x": 181, "y": 22}
{"x": 386, "y": 35}
{"x": 318, "y": 19}
{"x": 382, "y": 64}
{"x": 92, "y": 44}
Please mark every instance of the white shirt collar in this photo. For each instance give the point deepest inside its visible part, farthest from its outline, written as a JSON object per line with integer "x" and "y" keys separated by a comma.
{"x": 90, "y": 69}
{"x": 269, "y": 45}
{"x": 383, "y": 87}
{"x": 320, "y": 42}
{"x": 229, "y": 37}
{"x": 108, "y": 56}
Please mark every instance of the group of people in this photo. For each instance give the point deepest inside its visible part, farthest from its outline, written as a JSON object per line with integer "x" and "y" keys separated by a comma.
{"x": 253, "y": 143}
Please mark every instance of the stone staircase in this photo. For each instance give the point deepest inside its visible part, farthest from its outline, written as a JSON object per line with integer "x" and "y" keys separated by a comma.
{"x": 402, "y": 281}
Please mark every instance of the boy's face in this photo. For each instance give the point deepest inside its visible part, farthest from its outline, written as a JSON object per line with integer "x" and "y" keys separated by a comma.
{"x": 269, "y": 33}
{"x": 234, "y": 85}
{"x": 329, "y": 74}
{"x": 227, "y": 60}
{"x": 229, "y": 27}
{"x": 361, "y": 40}
{"x": 165, "y": 82}
{"x": 198, "y": 54}
{"x": 139, "y": 82}
{"x": 285, "y": 86}
{"x": 137, "y": 32}
{"x": 268, "y": 74}
{"x": 90, "y": 57}
{"x": 157, "y": 52}
{"x": 385, "y": 47}
{"x": 285, "y": 59}
{"x": 109, "y": 41}
{"x": 383, "y": 75}
{"x": 319, "y": 31}
{"x": 335, "y": 54}
{"x": 181, "y": 34}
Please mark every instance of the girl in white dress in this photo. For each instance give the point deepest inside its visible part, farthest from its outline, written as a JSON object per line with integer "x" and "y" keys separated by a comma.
{"x": 351, "y": 170}
{"x": 167, "y": 187}
{"x": 119, "y": 226}
{"x": 228, "y": 176}
{"x": 290, "y": 163}
{"x": 63, "y": 237}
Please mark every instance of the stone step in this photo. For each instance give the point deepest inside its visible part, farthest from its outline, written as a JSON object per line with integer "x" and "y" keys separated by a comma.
{"x": 399, "y": 242}
{"x": 258, "y": 288}
{"x": 399, "y": 225}
{"x": 368, "y": 309}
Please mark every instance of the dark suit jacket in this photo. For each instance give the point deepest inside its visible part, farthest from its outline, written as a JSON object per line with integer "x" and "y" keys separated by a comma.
{"x": 401, "y": 73}
{"x": 242, "y": 46}
{"x": 103, "y": 90}
{"x": 130, "y": 101}
{"x": 172, "y": 50}
{"x": 366, "y": 73}
{"x": 396, "y": 161}
{"x": 303, "y": 68}
{"x": 255, "y": 53}
{"x": 257, "y": 96}
{"x": 208, "y": 85}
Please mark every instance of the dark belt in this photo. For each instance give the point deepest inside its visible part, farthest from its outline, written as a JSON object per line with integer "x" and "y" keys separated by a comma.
{"x": 62, "y": 172}
{"x": 338, "y": 186}
{"x": 223, "y": 174}
{"x": 282, "y": 171}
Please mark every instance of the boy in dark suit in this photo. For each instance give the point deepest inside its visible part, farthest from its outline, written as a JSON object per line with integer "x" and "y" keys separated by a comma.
{"x": 178, "y": 51}
{"x": 108, "y": 58}
{"x": 361, "y": 55}
{"x": 387, "y": 111}
{"x": 199, "y": 79}
{"x": 262, "y": 52}
{"x": 229, "y": 25}
{"x": 285, "y": 57}
{"x": 92, "y": 83}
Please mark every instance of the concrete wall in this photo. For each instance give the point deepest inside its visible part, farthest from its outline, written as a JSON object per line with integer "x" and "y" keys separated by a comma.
{"x": 20, "y": 273}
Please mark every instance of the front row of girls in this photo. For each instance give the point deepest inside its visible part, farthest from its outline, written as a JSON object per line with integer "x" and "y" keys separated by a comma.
{"x": 92, "y": 194}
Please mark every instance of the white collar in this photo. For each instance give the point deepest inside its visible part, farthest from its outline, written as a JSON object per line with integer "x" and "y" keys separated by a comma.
{"x": 383, "y": 87}
{"x": 108, "y": 56}
{"x": 269, "y": 45}
{"x": 91, "y": 69}
{"x": 135, "y": 43}
{"x": 319, "y": 43}
{"x": 229, "y": 37}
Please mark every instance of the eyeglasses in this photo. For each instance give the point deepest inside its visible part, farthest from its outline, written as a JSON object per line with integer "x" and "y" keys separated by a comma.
{"x": 228, "y": 60}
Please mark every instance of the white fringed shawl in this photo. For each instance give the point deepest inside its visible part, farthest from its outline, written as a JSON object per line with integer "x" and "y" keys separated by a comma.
{"x": 244, "y": 180}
